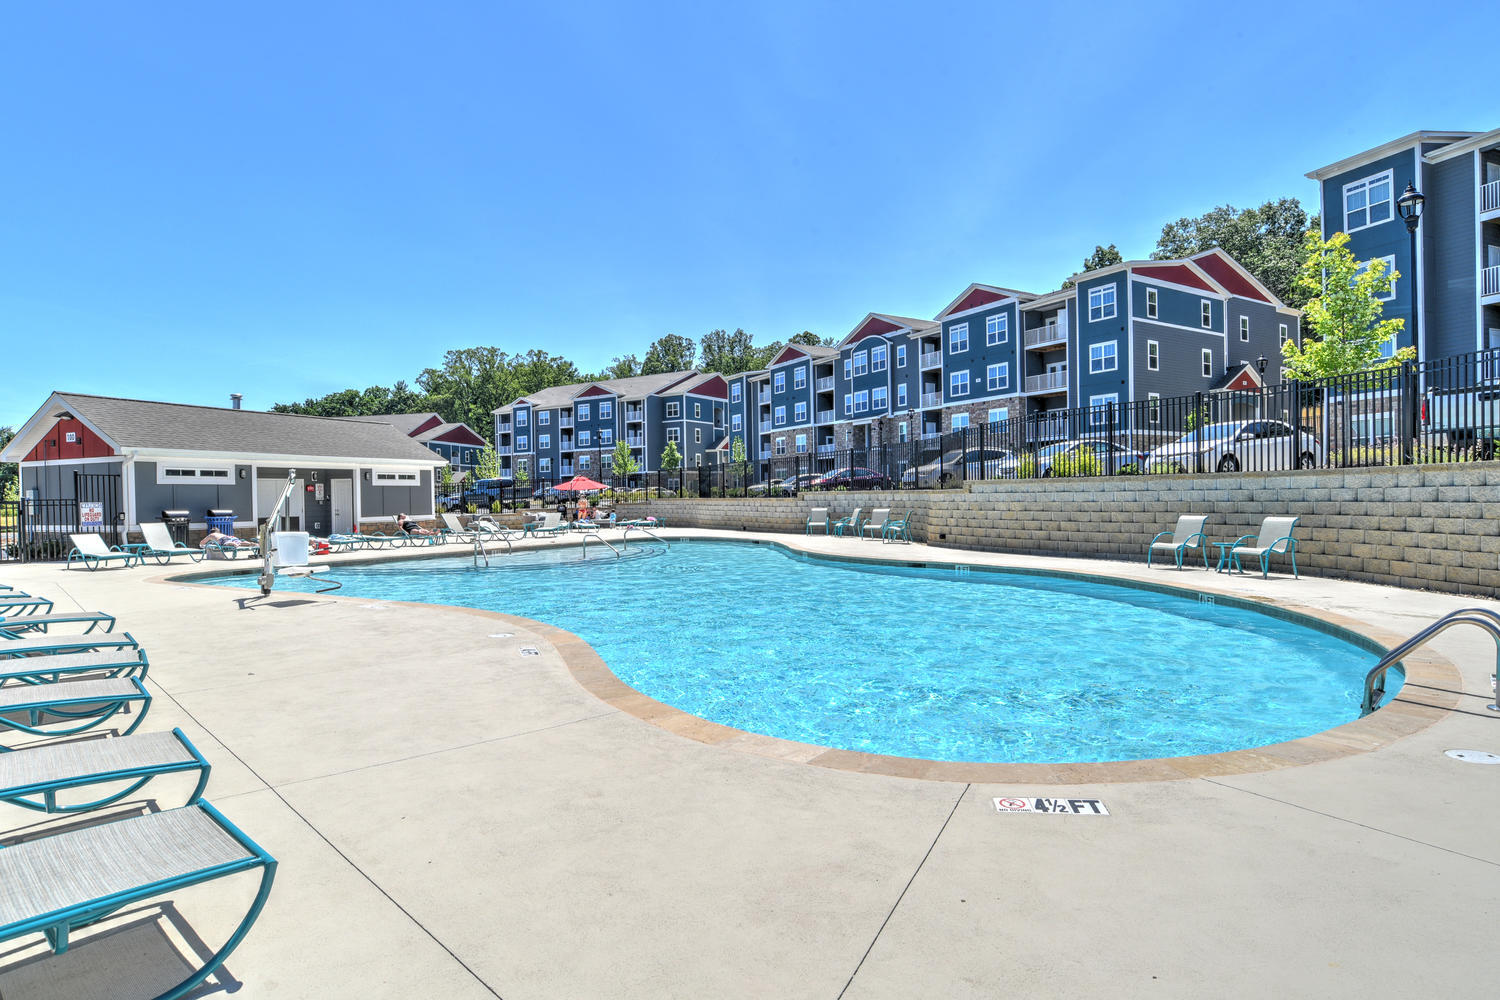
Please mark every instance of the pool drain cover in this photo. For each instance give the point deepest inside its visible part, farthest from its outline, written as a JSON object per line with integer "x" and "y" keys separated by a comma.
{"x": 1474, "y": 756}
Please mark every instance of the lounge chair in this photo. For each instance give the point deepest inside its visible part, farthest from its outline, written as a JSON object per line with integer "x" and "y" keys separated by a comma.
{"x": 93, "y": 702}
{"x": 31, "y": 777}
{"x": 818, "y": 518}
{"x": 160, "y": 546}
{"x": 550, "y": 524}
{"x": 1186, "y": 536}
{"x": 641, "y": 522}
{"x": 898, "y": 529}
{"x": 124, "y": 662}
{"x": 24, "y": 605}
{"x": 90, "y": 550}
{"x": 876, "y": 522}
{"x": 345, "y": 543}
{"x": 39, "y": 644}
{"x": 850, "y": 523}
{"x": 231, "y": 551}
{"x": 1275, "y": 537}
{"x": 14, "y": 626}
{"x": 52, "y": 885}
{"x": 454, "y": 528}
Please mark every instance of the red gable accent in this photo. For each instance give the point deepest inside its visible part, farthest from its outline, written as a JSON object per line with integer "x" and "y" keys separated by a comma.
{"x": 715, "y": 387}
{"x": 1243, "y": 381}
{"x": 1229, "y": 276}
{"x": 788, "y": 353}
{"x": 978, "y": 297}
{"x": 55, "y": 444}
{"x": 425, "y": 425}
{"x": 596, "y": 390}
{"x": 872, "y": 327}
{"x": 461, "y": 435}
{"x": 1178, "y": 274}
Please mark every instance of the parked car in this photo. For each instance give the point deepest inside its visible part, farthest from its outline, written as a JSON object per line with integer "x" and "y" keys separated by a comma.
{"x": 1111, "y": 456}
{"x": 802, "y": 481}
{"x": 548, "y": 494}
{"x": 853, "y": 478}
{"x": 976, "y": 463}
{"x": 1238, "y": 444}
{"x": 484, "y": 494}
{"x": 775, "y": 488}
{"x": 1468, "y": 417}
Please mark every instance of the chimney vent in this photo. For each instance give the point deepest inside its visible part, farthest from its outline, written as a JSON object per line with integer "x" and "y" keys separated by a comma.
{"x": 234, "y": 399}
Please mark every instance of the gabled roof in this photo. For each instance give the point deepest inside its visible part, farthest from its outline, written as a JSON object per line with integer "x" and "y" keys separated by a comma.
{"x": 180, "y": 427}
{"x": 626, "y": 388}
{"x": 977, "y": 295}
{"x": 877, "y": 324}
{"x": 412, "y": 423}
{"x": 1386, "y": 149}
{"x": 1178, "y": 274}
{"x": 1457, "y": 148}
{"x": 814, "y": 352}
{"x": 455, "y": 432}
{"x": 1232, "y": 276}
{"x": 714, "y": 385}
{"x": 1242, "y": 377}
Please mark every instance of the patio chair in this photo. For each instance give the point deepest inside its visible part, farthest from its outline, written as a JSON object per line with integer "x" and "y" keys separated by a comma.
{"x": 230, "y": 551}
{"x": 454, "y": 528}
{"x": 90, "y": 550}
{"x": 898, "y": 529}
{"x": 24, "y": 604}
{"x": 550, "y": 524}
{"x": 42, "y": 644}
{"x": 124, "y": 662}
{"x": 52, "y": 885}
{"x": 1188, "y": 535}
{"x": 818, "y": 518}
{"x": 876, "y": 522}
{"x": 88, "y": 703}
{"x": 1275, "y": 537}
{"x": 32, "y": 777}
{"x": 160, "y": 546}
{"x": 850, "y": 523}
{"x": 14, "y": 626}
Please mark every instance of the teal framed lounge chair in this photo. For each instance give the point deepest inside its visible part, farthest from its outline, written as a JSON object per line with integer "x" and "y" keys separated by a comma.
{"x": 14, "y": 626}
{"x": 641, "y": 522}
{"x": 32, "y": 777}
{"x": 124, "y": 662}
{"x": 54, "y": 884}
{"x": 90, "y": 550}
{"x": 1186, "y": 537}
{"x": 160, "y": 546}
{"x": 38, "y": 644}
{"x": 1275, "y": 538}
{"x": 75, "y": 706}
{"x": 454, "y": 529}
{"x": 850, "y": 523}
{"x": 232, "y": 551}
{"x": 818, "y": 517}
{"x": 550, "y": 524}
{"x": 345, "y": 543}
{"x": 26, "y": 605}
{"x": 898, "y": 529}
{"x": 876, "y": 523}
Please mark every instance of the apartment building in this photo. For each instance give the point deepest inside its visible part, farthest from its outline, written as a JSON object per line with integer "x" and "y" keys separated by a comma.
{"x": 1453, "y": 284}
{"x": 456, "y": 443}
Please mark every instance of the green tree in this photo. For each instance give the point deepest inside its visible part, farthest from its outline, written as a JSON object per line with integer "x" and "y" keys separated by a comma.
{"x": 445, "y": 481}
{"x": 671, "y": 353}
{"x": 1101, "y": 257}
{"x": 374, "y": 401}
{"x": 625, "y": 367}
{"x": 623, "y": 462}
{"x": 475, "y": 381}
{"x": 809, "y": 339}
{"x": 671, "y": 458}
{"x": 728, "y": 353}
{"x": 1343, "y": 332}
{"x": 488, "y": 465}
{"x": 1267, "y": 240}
{"x": 10, "y": 472}
{"x": 737, "y": 461}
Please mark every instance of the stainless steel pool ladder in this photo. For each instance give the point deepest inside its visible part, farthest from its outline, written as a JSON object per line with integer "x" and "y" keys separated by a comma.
{"x": 598, "y": 538}
{"x": 1482, "y": 618}
{"x": 481, "y": 551}
{"x": 645, "y": 531}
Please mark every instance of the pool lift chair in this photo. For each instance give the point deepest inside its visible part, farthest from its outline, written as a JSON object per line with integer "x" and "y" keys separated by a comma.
{"x": 285, "y": 552}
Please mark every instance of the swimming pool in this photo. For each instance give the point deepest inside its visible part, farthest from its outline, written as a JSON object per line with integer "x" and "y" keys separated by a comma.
{"x": 936, "y": 663}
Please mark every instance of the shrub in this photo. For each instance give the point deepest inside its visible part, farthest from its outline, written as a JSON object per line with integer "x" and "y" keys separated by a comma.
{"x": 1077, "y": 463}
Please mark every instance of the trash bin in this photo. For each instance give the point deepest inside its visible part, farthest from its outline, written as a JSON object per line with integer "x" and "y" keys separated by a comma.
{"x": 177, "y": 523}
{"x": 220, "y": 519}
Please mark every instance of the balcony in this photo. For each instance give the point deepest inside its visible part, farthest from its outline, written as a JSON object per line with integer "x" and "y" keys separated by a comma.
{"x": 565, "y": 471}
{"x": 765, "y": 425}
{"x": 635, "y": 440}
{"x": 827, "y": 449}
{"x": 930, "y": 359}
{"x": 824, "y": 417}
{"x": 504, "y": 449}
{"x": 1489, "y": 197}
{"x": 502, "y": 425}
{"x": 564, "y": 420}
{"x": 825, "y": 384}
{"x": 931, "y": 399}
{"x": 1045, "y": 336}
{"x": 565, "y": 444}
{"x": 1489, "y": 281}
{"x": 1048, "y": 382}
{"x": 765, "y": 395}
{"x": 634, "y": 414}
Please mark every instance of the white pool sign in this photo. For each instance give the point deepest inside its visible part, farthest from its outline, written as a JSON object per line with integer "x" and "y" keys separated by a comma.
{"x": 90, "y": 513}
{"x": 1051, "y": 806}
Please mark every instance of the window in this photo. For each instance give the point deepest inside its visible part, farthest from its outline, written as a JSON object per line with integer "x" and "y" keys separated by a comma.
{"x": 697, "y": 435}
{"x": 799, "y": 413}
{"x": 778, "y": 382}
{"x": 606, "y": 436}
{"x": 1152, "y": 306}
{"x": 1206, "y": 314}
{"x": 584, "y": 439}
{"x": 520, "y": 418}
{"x": 862, "y": 401}
{"x": 999, "y": 414}
{"x": 1099, "y": 408}
{"x": 958, "y": 385}
{"x": 734, "y": 393}
{"x": 997, "y": 376}
{"x": 674, "y": 410}
{"x": 1101, "y": 303}
{"x": 861, "y": 363}
{"x": 584, "y": 411}
{"x": 606, "y": 461}
{"x": 848, "y": 403}
{"x": 997, "y": 329}
{"x": 544, "y": 465}
{"x": 211, "y": 474}
{"x": 960, "y": 421}
{"x": 1153, "y": 408}
{"x": 900, "y": 355}
{"x": 878, "y": 398}
{"x": 903, "y": 433}
{"x": 1245, "y": 328}
{"x": 879, "y": 358}
{"x": 958, "y": 338}
{"x": 674, "y": 434}
{"x": 523, "y": 443}
{"x": 1390, "y": 266}
{"x": 543, "y": 418}
{"x": 1208, "y": 364}
{"x": 1153, "y": 356}
{"x": 901, "y": 394}
{"x": 781, "y": 446}
{"x": 1104, "y": 357}
{"x": 544, "y": 441}
{"x": 607, "y": 410}
{"x": 1367, "y": 202}
{"x": 848, "y": 369}
{"x": 1284, "y": 335}
{"x": 697, "y": 411}
{"x": 735, "y": 424}
{"x": 801, "y": 444}
{"x": 780, "y": 415}
{"x": 799, "y": 377}
{"x": 583, "y": 460}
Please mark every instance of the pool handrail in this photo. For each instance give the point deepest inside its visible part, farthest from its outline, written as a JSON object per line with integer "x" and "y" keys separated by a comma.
{"x": 598, "y": 538}
{"x": 625, "y": 537}
{"x": 1482, "y": 618}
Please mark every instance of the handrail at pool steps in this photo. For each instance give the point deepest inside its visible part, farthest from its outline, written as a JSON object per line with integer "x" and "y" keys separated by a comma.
{"x": 1482, "y": 618}
{"x": 598, "y": 538}
{"x": 643, "y": 530}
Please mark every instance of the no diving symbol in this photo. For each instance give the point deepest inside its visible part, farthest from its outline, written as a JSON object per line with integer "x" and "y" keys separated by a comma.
{"x": 1012, "y": 805}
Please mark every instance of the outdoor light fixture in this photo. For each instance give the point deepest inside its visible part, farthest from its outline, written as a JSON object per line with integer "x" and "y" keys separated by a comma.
{"x": 1410, "y": 206}
{"x": 243, "y": 473}
{"x": 1260, "y": 364}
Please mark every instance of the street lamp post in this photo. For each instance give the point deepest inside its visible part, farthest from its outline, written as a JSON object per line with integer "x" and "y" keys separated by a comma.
{"x": 1410, "y": 206}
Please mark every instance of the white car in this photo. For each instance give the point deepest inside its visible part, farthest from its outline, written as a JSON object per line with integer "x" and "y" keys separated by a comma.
{"x": 1237, "y": 445}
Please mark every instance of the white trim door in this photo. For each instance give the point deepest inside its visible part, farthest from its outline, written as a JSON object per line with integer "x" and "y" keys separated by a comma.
{"x": 342, "y": 497}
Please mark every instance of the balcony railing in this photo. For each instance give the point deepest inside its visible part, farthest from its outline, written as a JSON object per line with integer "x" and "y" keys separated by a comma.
{"x": 1038, "y": 336}
{"x": 634, "y": 414}
{"x": 566, "y": 470}
{"x": 1489, "y": 283}
{"x": 503, "y": 449}
{"x": 827, "y": 449}
{"x": 825, "y": 384}
{"x": 635, "y": 440}
{"x": 502, "y": 425}
{"x": 765, "y": 425}
{"x": 931, "y": 359}
{"x": 1489, "y": 197}
{"x": 931, "y": 399}
{"x": 824, "y": 417}
{"x": 563, "y": 420}
{"x": 1047, "y": 382}
{"x": 765, "y": 395}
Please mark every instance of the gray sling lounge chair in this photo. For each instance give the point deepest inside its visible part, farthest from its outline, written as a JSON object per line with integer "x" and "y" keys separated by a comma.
{"x": 32, "y": 777}
{"x": 12, "y": 626}
{"x": 125, "y": 662}
{"x": 1275, "y": 537}
{"x": 1187, "y": 537}
{"x": 73, "y": 706}
{"x": 37, "y": 644}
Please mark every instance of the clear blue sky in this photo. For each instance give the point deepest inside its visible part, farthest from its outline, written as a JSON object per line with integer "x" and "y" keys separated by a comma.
{"x": 331, "y": 195}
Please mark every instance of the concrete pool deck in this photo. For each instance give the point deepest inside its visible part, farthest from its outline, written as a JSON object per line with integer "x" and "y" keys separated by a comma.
{"x": 455, "y": 818}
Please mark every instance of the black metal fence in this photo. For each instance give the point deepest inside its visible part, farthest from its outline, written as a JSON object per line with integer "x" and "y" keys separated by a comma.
{"x": 35, "y": 530}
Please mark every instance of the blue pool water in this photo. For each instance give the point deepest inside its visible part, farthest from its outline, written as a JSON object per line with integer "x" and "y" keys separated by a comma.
{"x": 914, "y": 662}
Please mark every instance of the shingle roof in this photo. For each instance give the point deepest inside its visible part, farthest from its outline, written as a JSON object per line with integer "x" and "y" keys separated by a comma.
{"x": 438, "y": 430}
{"x": 138, "y": 423}
{"x": 408, "y": 422}
{"x": 635, "y": 385}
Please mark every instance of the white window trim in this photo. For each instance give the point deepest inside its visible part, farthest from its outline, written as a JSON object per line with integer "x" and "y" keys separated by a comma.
{"x": 1113, "y": 305}
{"x": 1366, "y": 183}
{"x": 1153, "y": 407}
{"x": 1285, "y": 336}
{"x": 997, "y": 376}
{"x": 960, "y": 422}
{"x": 585, "y": 411}
{"x": 697, "y": 435}
{"x": 1208, "y": 363}
{"x": 520, "y": 418}
{"x": 862, "y": 401}
{"x": 1097, "y": 404}
{"x": 1153, "y": 356}
{"x": 799, "y": 377}
{"x": 1114, "y": 358}
{"x": 734, "y": 422}
{"x": 606, "y": 411}
{"x": 1390, "y": 266}
{"x": 674, "y": 434}
{"x": 953, "y": 382}
{"x": 394, "y": 475}
{"x": 584, "y": 439}
{"x": 799, "y": 412}
{"x": 1206, "y": 314}
{"x": 780, "y": 446}
{"x": 800, "y": 443}
{"x": 878, "y": 398}
{"x": 901, "y": 394}
{"x": 734, "y": 393}
{"x": 778, "y": 415}
{"x": 544, "y": 465}
{"x": 544, "y": 440}
{"x": 996, "y": 329}
{"x": 999, "y": 414}
{"x": 673, "y": 411}
{"x": 778, "y": 382}
{"x": 606, "y": 436}
{"x": 203, "y": 473}
{"x": 861, "y": 363}
{"x": 879, "y": 358}
{"x": 900, "y": 355}
{"x": 544, "y": 418}
{"x": 1153, "y": 303}
{"x": 954, "y": 331}
{"x": 1245, "y": 329}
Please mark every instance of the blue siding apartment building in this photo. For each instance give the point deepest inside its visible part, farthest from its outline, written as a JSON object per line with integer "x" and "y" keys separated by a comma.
{"x": 1454, "y": 282}
{"x": 458, "y": 444}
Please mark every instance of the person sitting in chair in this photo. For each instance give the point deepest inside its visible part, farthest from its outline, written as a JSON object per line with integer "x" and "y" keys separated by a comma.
{"x": 407, "y": 526}
{"x": 223, "y": 541}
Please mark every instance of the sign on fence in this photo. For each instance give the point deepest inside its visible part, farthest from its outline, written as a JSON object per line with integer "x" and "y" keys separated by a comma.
{"x": 91, "y": 513}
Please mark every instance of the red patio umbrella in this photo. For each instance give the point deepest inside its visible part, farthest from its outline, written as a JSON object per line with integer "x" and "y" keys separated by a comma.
{"x": 579, "y": 483}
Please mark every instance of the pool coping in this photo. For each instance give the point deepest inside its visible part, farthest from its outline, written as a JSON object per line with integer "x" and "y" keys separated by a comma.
{"x": 1428, "y": 694}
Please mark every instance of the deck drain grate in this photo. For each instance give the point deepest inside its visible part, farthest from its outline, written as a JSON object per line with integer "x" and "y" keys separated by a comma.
{"x": 1474, "y": 756}
{"x": 530, "y": 651}
{"x": 501, "y": 635}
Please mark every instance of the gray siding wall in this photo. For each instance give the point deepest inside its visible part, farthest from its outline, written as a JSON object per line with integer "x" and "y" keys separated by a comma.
{"x": 151, "y": 499}
{"x": 1265, "y": 335}
{"x": 1181, "y": 371}
{"x": 388, "y": 501}
{"x": 1449, "y": 316}
{"x": 54, "y": 481}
